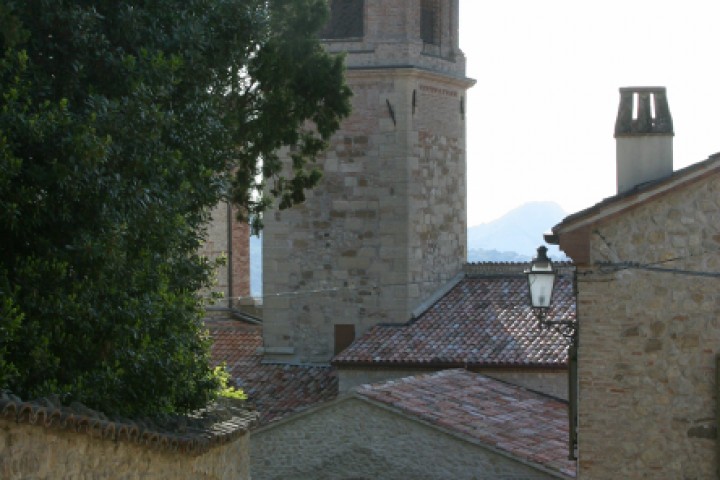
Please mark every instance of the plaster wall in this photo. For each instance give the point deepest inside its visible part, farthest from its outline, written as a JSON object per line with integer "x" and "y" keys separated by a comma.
{"x": 642, "y": 158}
{"x": 648, "y": 340}
{"x": 354, "y": 439}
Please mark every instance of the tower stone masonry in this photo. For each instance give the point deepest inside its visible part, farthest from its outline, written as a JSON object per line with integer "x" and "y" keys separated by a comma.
{"x": 386, "y": 227}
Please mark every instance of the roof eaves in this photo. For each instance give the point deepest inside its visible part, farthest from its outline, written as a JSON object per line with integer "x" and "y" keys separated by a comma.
{"x": 638, "y": 195}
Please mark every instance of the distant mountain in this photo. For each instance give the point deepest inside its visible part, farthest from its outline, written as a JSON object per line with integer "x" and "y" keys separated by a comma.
{"x": 515, "y": 236}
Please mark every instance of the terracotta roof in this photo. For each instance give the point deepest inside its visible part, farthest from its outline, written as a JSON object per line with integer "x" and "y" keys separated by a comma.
{"x": 234, "y": 342}
{"x": 273, "y": 390}
{"x": 483, "y": 321}
{"x": 524, "y": 424}
{"x": 189, "y": 434}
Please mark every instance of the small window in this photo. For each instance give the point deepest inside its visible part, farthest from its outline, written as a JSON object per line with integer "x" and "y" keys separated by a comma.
{"x": 430, "y": 22}
{"x": 344, "y": 336}
{"x": 346, "y": 20}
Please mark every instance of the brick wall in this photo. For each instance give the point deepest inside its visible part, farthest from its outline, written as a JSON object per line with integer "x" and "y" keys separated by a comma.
{"x": 217, "y": 245}
{"x": 241, "y": 258}
{"x": 648, "y": 340}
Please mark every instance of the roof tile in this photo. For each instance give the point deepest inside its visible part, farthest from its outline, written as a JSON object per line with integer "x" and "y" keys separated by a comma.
{"x": 273, "y": 390}
{"x": 483, "y": 321}
{"x": 524, "y": 424}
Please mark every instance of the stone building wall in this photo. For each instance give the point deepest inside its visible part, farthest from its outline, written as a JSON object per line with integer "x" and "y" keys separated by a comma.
{"x": 392, "y": 38}
{"x": 437, "y": 188}
{"x": 386, "y": 227}
{"x": 648, "y": 340}
{"x": 553, "y": 383}
{"x": 353, "y": 439}
{"x": 31, "y": 452}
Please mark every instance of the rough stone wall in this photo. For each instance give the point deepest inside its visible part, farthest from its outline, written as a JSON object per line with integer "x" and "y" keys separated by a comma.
{"x": 648, "y": 341}
{"x": 550, "y": 383}
{"x": 325, "y": 262}
{"x": 29, "y": 452}
{"x": 387, "y": 225}
{"x": 353, "y": 439}
{"x": 437, "y": 189}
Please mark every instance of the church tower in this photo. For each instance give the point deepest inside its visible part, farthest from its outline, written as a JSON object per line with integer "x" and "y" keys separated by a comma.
{"x": 386, "y": 228}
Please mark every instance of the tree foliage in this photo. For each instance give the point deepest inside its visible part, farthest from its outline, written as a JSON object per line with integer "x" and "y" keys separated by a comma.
{"x": 119, "y": 121}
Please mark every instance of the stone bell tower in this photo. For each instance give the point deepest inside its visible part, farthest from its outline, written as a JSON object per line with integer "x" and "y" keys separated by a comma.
{"x": 386, "y": 228}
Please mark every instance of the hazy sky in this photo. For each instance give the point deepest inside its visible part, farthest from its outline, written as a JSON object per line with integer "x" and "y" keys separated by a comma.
{"x": 541, "y": 116}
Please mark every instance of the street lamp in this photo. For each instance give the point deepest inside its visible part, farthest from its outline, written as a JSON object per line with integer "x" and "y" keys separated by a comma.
{"x": 541, "y": 281}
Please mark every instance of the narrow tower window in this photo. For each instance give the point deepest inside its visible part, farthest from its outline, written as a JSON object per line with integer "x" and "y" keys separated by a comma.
{"x": 346, "y": 20}
{"x": 430, "y": 22}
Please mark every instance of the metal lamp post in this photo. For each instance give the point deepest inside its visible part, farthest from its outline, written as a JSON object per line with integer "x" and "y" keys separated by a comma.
{"x": 541, "y": 280}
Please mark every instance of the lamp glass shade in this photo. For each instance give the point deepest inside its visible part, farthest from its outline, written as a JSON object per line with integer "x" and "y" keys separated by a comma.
{"x": 541, "y": 285}
{"x": 541, "y": 279}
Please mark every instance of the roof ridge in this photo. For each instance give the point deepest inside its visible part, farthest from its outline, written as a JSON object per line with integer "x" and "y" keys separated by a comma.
{"x": 436, "y": 296}
{"x": 501, "y": 269}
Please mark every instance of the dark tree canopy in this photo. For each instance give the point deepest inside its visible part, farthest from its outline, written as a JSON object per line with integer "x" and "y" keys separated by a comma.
{"x": 119, "y": 121}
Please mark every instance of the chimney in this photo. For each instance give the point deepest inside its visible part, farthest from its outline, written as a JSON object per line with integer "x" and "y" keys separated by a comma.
{"x": 643, "y": 135}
